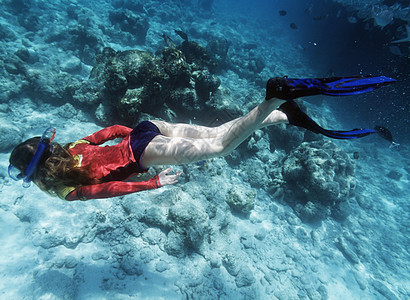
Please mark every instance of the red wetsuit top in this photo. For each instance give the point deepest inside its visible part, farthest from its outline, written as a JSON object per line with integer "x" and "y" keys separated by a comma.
{"x": 110, "y": 164}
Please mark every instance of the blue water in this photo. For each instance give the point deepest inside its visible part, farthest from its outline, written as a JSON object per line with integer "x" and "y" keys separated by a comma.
{"x": 288, "y": 215}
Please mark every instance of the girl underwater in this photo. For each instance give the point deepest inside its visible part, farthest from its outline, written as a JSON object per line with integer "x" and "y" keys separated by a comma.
{"x": 84, "y": 170}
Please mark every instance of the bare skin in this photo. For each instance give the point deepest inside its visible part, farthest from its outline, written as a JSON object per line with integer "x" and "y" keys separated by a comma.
{"x": 184, "y": 143}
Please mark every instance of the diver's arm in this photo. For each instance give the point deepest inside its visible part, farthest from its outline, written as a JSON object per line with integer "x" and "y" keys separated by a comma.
{"x": 112, "y": 189}
{"x": 107, "y": 134}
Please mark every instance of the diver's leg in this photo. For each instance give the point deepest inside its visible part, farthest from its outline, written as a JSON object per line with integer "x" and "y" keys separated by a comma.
{"x": 180, "y": 150}
{"x": 191, "y": 130}
{"x": 204, "y": 132}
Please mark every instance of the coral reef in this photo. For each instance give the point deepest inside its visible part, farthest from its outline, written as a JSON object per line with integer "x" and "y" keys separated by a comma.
{"x": 126, "y": 20}
{"x": 137, "y": 82}
{"x": 321, "y": 176}
{"x": 240, "y": 200}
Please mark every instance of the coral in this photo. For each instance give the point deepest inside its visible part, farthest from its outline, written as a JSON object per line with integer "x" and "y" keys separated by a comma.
{"x": 218, "y": 49}
{"x": 240, "y": 200}
{"x": 137, "y": 82}
{"x": 128, "y": 21}
{"x": 176, "y": 67}
{"x": 10, "y": 136}
{"x": 320, "y": 176}
{"x": 14, "y": 65}
{"x": 245, "y": 277}
{"x": 197, "y": 55}
{"x": 189, "y": 224}
{"x": 205, "y": 83}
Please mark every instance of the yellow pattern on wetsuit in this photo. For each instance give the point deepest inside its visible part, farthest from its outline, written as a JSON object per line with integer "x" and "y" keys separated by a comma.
{"x": 62, "y": 191}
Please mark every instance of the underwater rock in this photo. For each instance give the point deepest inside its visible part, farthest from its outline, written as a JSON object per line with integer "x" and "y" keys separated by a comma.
{"x": 131, "y": 265}
{"x": 256, "y": 65}
{"x": 245, "y": 277}
{"x": 176, "y": 67}
{"x": 50, "y": 87}
{"x": 231, "y": 264}
{"x": 71, "y": 65}
{"x": 62, "y": 286}
{"x": 23, "y": 54}
{"x": 198, "y": 55}
{"x": 70, "y": 262}
{"x": 84, "y": 42}
{"x": 132, "y": 82}
{"x": 18, "y": 6}
{"x": 6, "y": 33}
{"x": 384, "y": 290}
{"x": 153, "y": 236}
{"x": 248, "y": 66}
{"x": 312, "y": 212}
{"x": 347, "y": 251}
{"x": 221, "y": 101}
{"x": 127, "y": 84}
{"x": 218, "y": 50}
{"x": 66, "y": 111}
{"x": 89, "y": 92}
{"x": 10, "y": 136}
{"x": 129, "y": 69}
{"x": 319, "y": 175}
{"x": 14, "y": 65}
{"x": 185, "y": 99}
{"x": 205, "y": 83}
{"x": 128, "y": 21}
{"x": 395, "y": 175}
{"x": 154, "y": 216}
{"x": 175, "y": 244}
{"x": 189, "y": 224}
{"x": 161, "y": 266}
{"x": 241, "y": 200}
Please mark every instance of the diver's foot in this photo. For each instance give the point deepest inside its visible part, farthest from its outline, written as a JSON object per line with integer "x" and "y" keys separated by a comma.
{"x": 274, "y": 88}
{"x": 276, "y": 117}
{"x": 285, "y": 88}
{"x": 297, "y": 117}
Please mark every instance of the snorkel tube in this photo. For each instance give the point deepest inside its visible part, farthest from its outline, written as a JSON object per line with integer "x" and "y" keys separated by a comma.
{"x": 43, "y": 145}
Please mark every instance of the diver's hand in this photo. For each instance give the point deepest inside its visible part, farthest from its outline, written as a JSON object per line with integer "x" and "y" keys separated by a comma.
{"x": 165, "y": 179}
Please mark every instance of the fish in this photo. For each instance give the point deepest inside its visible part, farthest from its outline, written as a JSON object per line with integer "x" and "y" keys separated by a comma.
{"x": 182, "y": 34}
{"x": 356, "y": 155}
{"x": 293, "y": 26}
{"x": 283, "y": 13}
{"x": 168, "y": 41}
{"x": 384, "y": 133}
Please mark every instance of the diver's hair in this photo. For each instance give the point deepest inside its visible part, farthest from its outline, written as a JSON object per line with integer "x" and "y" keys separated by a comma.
{"x": 57, "y": 166}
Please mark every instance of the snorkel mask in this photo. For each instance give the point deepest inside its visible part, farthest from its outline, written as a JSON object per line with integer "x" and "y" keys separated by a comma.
{"x": 43, "y": 145}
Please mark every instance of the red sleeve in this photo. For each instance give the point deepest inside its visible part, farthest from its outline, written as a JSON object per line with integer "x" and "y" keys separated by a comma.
{"x": 112, "y": 189}
{"x": 107, "y": 134}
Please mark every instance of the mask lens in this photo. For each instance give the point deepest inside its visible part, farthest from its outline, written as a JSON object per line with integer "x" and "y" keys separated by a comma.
{"x": 15, "y": 173}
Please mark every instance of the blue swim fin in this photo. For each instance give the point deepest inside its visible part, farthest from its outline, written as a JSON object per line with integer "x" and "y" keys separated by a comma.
{"x": 350, "y": 134}
{"x": 298, "y": 118}
{"x": 291, "y": 88}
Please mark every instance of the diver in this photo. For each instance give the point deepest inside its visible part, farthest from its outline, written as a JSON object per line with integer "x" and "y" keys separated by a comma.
{"x": 85, "y": 170}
